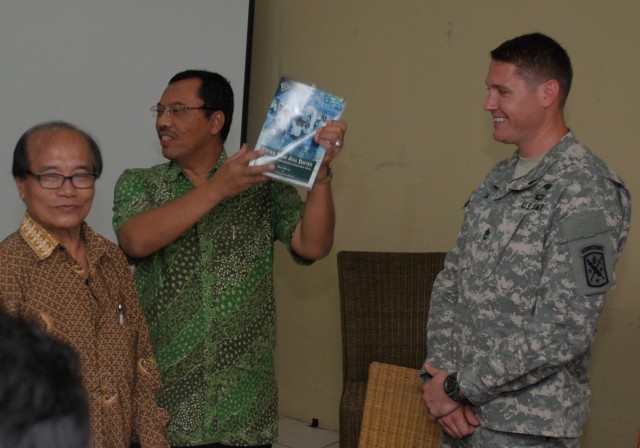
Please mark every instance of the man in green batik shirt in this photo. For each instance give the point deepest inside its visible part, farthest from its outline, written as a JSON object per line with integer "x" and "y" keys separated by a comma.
{"x": 200, "y": 231}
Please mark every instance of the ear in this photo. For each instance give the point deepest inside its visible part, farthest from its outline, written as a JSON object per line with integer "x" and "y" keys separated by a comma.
{"x": 549, "y": 92}
{"x": 216, "y": 122}
{"x": 20, "y": 185}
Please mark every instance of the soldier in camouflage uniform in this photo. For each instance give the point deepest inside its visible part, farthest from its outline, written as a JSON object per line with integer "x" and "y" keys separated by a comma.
{"x": 514, "y": 312}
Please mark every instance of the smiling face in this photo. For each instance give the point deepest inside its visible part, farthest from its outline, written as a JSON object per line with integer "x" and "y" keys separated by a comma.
{"x": 60, "y": 211}
{"x": 186, "y": 135}
{"x": 517, "y": 107}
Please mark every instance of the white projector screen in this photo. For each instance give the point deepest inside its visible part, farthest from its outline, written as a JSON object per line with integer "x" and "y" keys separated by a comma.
{"x": 101, "y": 65}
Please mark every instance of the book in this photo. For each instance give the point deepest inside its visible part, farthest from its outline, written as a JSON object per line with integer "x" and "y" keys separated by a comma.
{"x": 296, "y": 112}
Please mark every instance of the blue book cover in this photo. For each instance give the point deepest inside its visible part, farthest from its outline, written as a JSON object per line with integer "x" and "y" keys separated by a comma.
{"x": 295, "y": 113}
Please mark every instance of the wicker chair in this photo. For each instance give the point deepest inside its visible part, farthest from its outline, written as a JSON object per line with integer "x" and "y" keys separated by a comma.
{"x": 384, "y": 299}
{"x": 394, "y": 413}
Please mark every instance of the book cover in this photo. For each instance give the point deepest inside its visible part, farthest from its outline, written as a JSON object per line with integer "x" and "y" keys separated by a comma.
{"x": 296, "y": 111}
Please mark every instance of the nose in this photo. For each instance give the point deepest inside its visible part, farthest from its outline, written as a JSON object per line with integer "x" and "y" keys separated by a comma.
{"x": 67, "y": 188}
{"x": 490, "y": 103}
{"x": 163, "y": 119}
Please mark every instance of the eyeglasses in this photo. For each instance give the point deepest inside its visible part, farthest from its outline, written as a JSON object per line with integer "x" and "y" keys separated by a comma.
{"x": 53, "y": 181}
{"x": 175, "y": 110}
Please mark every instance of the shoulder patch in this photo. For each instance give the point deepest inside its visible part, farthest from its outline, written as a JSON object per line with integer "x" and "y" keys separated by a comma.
{"x": 595, "y": 266}
{"x": 591, "y": 250}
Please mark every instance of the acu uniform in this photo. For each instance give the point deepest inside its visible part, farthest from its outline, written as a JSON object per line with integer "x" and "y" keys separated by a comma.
{"x": 515, "y": 309}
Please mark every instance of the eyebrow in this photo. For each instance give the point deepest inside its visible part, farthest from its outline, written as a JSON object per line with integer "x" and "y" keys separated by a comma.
{"x": 497, "y": 86}
{"x": 56, "y": 167}
{"x": 175, "y": 103}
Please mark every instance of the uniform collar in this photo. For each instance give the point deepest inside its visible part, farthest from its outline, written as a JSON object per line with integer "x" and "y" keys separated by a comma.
{"x": 504, "y": 180}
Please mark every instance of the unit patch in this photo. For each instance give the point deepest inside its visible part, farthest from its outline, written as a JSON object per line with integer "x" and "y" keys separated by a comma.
{"x": 595, "y": 269}
{"x": 591, "y": 250}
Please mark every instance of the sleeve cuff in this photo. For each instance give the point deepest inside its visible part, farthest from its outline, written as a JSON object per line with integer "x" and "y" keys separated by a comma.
{"x": 473, "y": 389}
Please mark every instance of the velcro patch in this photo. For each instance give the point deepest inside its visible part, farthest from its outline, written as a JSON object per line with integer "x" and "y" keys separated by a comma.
{"x": 590, "y": 246}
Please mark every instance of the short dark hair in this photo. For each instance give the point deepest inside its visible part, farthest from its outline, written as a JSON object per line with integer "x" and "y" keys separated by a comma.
{"x": 215, "y": 91}
{"x": 539, "y": 58}
{"x": 43, "y": 402}
{"x": 21, "y": 152}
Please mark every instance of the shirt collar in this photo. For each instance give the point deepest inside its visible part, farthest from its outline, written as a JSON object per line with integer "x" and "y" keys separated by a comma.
{"x": 174, "y": 170}
{"x": 40, "y": 241}
{"x": 44, "y": 244}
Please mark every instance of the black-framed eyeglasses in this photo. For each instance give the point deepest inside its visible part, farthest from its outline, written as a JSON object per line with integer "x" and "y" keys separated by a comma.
{"x": 175, "y": 110}
{"x": 53, "y": 181}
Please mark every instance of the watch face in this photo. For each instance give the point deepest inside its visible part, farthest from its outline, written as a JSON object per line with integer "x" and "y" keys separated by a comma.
{"x": 450, "y": 384}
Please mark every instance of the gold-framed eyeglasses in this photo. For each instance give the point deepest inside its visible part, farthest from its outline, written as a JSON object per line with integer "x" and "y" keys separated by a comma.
{"x": 175, "y": 110}
{"x": 53, "y": 181}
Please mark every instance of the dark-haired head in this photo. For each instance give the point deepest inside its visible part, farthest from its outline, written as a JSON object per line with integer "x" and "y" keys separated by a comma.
{"x": 216, "y": 92}
{"x": 43, "y": 402}
{"x": 538, "y": 58}
{"x": 20, "y": 166}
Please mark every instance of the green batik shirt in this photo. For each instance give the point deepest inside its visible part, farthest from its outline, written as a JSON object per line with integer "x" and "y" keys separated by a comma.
{"x": 209, "y": 302}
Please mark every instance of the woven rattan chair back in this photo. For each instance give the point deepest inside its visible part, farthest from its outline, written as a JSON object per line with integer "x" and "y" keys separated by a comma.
{"x": 384, "y": 300}
{"x": 394, "y": 413}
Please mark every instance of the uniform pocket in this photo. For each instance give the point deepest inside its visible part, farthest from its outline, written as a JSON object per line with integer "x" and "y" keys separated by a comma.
{"x": 491, "y": 249}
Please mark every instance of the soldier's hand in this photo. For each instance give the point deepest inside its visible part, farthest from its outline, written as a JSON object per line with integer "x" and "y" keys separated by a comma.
{"x": 460, "y": 423}
{"x": 439, "y": 403}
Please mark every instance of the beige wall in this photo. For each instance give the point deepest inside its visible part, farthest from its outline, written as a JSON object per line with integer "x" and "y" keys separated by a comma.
{"x": 418, "y": 142}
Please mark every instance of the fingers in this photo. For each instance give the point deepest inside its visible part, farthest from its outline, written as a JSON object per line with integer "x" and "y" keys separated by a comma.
{"x": 470, "y": 416}
{"x": 428, "y": 367}
{"x": 431, "y": 370}
{"x": 331, "y": 136}
{"x": 240, "y": 153}
{"x": 244, "y": 156}
{"x": 237, "y": 175}
{"x": 452, "y": 428}
{"x": 456, "y": 424}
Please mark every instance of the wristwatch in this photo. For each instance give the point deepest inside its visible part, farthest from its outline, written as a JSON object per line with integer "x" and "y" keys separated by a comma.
{"x": 452, "y": 388}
